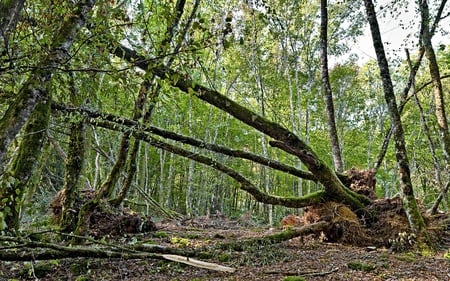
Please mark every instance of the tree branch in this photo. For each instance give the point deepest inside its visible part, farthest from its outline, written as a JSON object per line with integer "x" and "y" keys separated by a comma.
{"x": 188, "y": 140}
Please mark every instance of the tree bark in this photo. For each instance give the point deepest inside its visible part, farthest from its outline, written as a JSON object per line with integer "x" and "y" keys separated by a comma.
{"x": 35, "y": 89}
{"x": 10, "y": 12}
{"x": 326, "y": 88}
{"x": 415, "y": 219}
{"x": 16, "y": 178}
{"x": 438, "y": 91}
{"x": 74, "y": 167}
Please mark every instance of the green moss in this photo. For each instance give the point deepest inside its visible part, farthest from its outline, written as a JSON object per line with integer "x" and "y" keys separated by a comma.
{"x": 79, "y": 267}
{"x": 204, "y": 255}
{"x": 82, "y": 278}
{"x": 294, "y": 278}
{"x": 180, "y": 242}
{"x": 160, "y": 234}
{"x": 361, "y": 266}
{"x": 224, "y": 257}
{"x": 193, "y": 236}
{"x": 408, "y": 257}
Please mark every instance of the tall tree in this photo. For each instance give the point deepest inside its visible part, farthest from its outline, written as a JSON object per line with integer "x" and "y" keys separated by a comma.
{"x": 326, "y": 87}
{"x": 416, "y": 221}
{"x": 441, "y": 117}
{"x": 34, "y": 99}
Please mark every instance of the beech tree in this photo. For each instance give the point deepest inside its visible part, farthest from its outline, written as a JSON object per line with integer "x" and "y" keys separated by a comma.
{"x": 335, "y": 147}
{"x": 32, "y": 107}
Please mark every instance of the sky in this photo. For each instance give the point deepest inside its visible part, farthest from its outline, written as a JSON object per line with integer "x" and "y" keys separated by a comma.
{"x": 392, "y": 33}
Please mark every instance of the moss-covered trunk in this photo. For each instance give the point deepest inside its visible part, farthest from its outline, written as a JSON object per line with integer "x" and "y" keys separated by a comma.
{"x": 36, "y": 88}
{"x": 409, "y": 201}
{"x": 74, "y": 168}
{"x": 439, "y": 108}
{"x": 33, "y": 99}
{"x": 14, "y": 181}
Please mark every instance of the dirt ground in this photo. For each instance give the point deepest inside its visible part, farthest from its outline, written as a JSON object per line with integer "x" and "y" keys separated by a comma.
{"x": 310, "y": 258}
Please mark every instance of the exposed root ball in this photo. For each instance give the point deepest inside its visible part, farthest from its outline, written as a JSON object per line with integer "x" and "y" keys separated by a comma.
{"x": 362, "y": 182}
{"x": 105, "y": 220}
{"x": 344, "y": 227}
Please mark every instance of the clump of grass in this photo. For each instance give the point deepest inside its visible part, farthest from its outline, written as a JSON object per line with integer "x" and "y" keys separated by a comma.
{"x": 294, "y": 278}
{"x": 160, "y": 234}
{"x": 408, "y": 257}
{"x": 361, "y": 266}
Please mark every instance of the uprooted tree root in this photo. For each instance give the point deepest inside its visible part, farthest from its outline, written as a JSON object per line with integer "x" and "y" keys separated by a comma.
{"x": 105, "y": 220}
{"x": 387, "y": 227}
{"x": 343, "y": 223}
{"x": 386, "y": 224}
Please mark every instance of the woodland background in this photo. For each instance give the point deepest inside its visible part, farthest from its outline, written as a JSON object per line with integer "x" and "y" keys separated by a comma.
{"x": 107, "y": 96}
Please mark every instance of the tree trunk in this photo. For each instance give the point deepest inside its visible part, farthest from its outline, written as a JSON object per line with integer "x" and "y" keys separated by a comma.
{"x": 9, "y": 16}
{"x": 15, "y": 180}
{"x": 412, "y": 75}
{"x": 326, "y": 88}
{"x": 35, "y": 89}
{"x": 438, "y": 91}
{"x": 415, "y": 219}
{"x": 74, "y": 167}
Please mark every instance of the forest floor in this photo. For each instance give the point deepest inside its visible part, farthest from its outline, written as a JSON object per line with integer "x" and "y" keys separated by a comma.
{"x": 310, "y": 258}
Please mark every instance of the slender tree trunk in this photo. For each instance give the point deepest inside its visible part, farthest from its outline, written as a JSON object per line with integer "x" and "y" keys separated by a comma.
{"x": 326, "y": 88}
{"x": 438, "y": 90}
{"x": 436, "y": 78}
{"x": 14, "y": 182}
{"x": 74, "y": 167}
{"x": 191, "y": 172}
{"x": 97, "y": 167}
{"x": 10, "y": 12}
{"x": 35, "y": 89}
{"x": 170, "y": 182}
{"x": 161, "y": 180}
{"x": 415, "y": 219}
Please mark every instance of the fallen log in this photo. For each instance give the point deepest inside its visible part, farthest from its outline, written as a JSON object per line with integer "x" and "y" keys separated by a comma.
{"x": 28, "y": 250}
